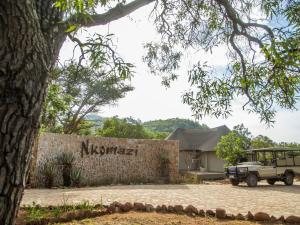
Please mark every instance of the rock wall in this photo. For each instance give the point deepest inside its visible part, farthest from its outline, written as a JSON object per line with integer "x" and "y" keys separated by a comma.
{"x": 109, "y": 160}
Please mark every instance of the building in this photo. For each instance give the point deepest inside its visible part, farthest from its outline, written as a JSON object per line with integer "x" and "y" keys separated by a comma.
{"x": 196, "y": 148}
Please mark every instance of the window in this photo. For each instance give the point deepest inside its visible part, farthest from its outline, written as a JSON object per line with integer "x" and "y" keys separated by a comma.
{"x": 269, "y": 158}
{"x": 280, "y": 159}
{"x": 289, "y": 159}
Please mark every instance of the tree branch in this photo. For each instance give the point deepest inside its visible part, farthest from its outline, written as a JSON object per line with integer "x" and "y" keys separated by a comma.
{"x": 115, "y": 13}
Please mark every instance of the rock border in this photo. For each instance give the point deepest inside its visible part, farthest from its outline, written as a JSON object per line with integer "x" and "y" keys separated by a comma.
{"x": 190, "y": 210}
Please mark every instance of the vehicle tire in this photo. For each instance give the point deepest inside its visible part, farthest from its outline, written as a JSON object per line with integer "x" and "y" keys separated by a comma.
{"x": 251, "y": 180}
{"x": 234, "y": 182}
{"x": 288, "y": 179}
{"x": 271, "y": 181}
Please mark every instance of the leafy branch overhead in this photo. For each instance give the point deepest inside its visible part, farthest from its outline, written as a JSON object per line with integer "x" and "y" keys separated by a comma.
{"x": 261, "y": 37}
{"x": 263, "y": 53}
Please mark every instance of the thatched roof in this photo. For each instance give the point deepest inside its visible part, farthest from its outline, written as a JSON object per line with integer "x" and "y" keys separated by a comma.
{"x": 204, "y": 139}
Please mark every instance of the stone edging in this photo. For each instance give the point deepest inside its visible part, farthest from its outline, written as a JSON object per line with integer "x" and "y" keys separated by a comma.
{"x": 117, "y": 207}
{"x": 190, "y": 210}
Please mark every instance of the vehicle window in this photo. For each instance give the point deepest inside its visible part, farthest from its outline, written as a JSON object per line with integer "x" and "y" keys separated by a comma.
{"x": 289, "y": 158}
{"x": 269, "y": 158}
{"x": 280, "y": 155}
{"x": 280, "y": 159}
{"x": 260, "y": 157}
{"x": 297, "y": 158}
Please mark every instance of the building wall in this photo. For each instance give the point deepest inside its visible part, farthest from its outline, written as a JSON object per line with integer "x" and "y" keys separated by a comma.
{"x": 185, "y": 160}
{"x": 214, "y": 164}
{"x": 108, "y": 160}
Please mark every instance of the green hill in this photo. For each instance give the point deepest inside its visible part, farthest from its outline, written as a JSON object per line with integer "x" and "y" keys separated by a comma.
{"x": 170, "y": 125}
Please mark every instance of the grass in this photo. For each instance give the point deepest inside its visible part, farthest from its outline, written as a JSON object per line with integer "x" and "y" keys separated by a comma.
{"x": 35, "y": 212}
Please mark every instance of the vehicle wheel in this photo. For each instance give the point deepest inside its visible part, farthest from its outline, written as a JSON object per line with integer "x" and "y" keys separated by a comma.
{"x": 288, "y": 179}
{"x": 251, "y": 180}
{"x": 271, "y": 181}
{"x": 234, "y": 182}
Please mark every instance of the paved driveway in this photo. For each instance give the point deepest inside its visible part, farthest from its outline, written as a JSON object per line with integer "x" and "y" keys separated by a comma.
{"x": 277, "y": 200}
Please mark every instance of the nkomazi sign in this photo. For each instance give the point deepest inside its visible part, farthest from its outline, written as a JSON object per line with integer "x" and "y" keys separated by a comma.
{"x": 92, "y": 149}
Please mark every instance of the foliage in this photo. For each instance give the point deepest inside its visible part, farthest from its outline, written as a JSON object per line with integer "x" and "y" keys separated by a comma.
{"x": 263, "y": 53}
{"x": 121, "y": 128}
{"x": 76, "y": 91}
{"x": 233, "y": 145}
{"x": 164, "y": 157}
{"x": 47, "y": 170}
{"x": 289, "y": 145}
{"x": 170, "y": 125}
{"x": 230, "y": 148}
{"x": 65, "y": 158}
{"x": 156, "y": 134}
{"x": 245, "y": 134}
{"x": 76, "y": 176}
{"x": 35, "y": 212}
{"x": 262, "y": 142}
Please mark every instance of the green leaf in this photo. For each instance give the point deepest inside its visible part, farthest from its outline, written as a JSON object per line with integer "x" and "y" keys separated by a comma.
{"x": 71, "y": 28}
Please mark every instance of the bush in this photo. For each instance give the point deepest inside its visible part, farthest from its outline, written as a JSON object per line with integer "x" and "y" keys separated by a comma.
{"x": 48, "y": 170}
{"x": 76, "y": 177}
{"x": 66, "y": 159}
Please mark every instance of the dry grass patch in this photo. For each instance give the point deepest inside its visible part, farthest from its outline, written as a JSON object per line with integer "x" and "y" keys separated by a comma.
{"x": 134, "y": 218}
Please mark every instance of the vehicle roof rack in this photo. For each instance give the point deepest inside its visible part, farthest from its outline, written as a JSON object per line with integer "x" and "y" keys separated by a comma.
{"x": 273, "y": 149}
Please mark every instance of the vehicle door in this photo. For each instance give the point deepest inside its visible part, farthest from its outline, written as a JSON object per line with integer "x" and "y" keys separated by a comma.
{"x": 269, "y": 165}
{"x": 280, "y": 162}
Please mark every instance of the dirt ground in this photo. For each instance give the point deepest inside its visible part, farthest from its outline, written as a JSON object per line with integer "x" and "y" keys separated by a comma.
{"x": 134, "y": 218}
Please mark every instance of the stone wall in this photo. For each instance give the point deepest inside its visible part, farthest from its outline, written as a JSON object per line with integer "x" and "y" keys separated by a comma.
{"x": 109, "y": 160}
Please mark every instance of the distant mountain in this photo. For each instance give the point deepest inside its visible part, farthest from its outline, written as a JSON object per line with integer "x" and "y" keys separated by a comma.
{"x": 94, "y": 117}
{"x": 167, "y": 125}
{"x": 170, "y": 125}
{"x": 97, "y": 120}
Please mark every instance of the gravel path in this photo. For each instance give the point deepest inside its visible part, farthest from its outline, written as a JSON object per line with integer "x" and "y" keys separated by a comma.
{"x": 277, "y": 200}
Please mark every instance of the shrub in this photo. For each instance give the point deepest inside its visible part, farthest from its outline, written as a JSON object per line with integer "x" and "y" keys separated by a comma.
{"x": 48, "y": 170}
{"x": 66, "y": 159}
{"x": 76, "y": 177}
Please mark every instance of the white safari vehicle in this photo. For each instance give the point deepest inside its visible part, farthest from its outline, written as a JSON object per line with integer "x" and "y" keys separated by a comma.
{"x": 271, "y": 164}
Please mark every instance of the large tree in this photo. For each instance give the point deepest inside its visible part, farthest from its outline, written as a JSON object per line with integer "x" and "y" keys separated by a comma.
{"x": 120, "y": 128}
{"x": 264, "y": 65}
{"x": 262, "y": 141}
{"x": 32, "y": 33}
{"x": 232, "y": 146}
{"x": 76, "y": 91}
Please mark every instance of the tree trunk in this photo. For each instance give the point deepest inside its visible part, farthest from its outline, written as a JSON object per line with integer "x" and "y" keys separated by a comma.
{"x": 27, "y": 51}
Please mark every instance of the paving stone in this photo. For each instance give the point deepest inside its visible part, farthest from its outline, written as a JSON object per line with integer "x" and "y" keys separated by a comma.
{"x": 261, "y": 216}
{"x": 191, "y": 210}
{"x": 220, "y": 213}
{"x": 293, "y": 219}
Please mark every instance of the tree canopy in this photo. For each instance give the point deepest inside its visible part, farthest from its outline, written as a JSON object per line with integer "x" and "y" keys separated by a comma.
{"x": 123, "y": 128}
{"x": 232, "y": 146}
{"x": 262, "y": 42}
{"x": 261, "y": 38}
{"x": 262, "y": 141}
{"x": 76, "y": 91}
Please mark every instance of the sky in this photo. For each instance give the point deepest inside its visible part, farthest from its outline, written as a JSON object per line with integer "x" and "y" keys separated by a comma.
{"x": 150, "y": 100}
